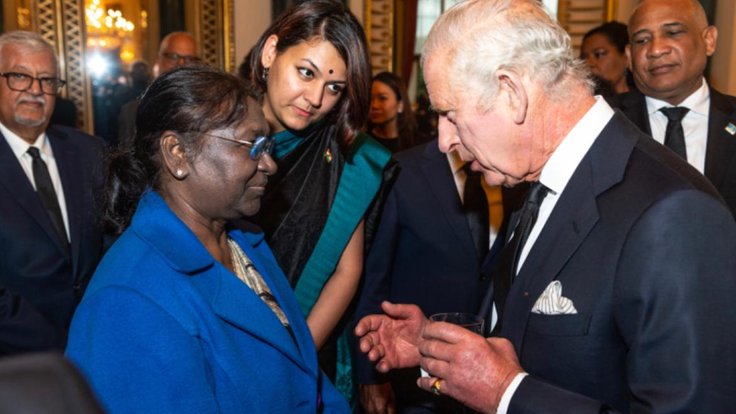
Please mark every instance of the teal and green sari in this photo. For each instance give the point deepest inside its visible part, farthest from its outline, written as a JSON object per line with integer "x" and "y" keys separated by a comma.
{"x": 312, "y": 206}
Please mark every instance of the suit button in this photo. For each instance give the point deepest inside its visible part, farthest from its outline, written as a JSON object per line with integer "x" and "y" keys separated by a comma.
{"x": 77, "y": 287}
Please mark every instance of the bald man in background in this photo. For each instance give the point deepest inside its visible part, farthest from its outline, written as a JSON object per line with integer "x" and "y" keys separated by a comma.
{"x": 670, "y": 45}
{"x": 176, "y": 49}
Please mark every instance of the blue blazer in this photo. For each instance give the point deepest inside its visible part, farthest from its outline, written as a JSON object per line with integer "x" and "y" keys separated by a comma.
{"x": 644, "y": 248}
{"x": 164, "y": 328}
{"x": 49, "y": 277}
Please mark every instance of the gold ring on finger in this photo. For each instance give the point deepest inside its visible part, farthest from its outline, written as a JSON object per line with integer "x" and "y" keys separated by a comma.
{"x": 437, "y": 387}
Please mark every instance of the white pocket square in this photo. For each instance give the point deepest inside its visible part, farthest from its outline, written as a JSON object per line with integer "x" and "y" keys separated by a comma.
{"x": 551, "y": 302}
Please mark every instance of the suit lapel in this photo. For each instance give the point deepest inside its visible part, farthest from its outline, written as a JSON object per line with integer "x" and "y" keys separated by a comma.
{"x": 634, "y": 106}
{"x": 440, "y": 178}
{"x": 721, "y": 147}
{"x": 231, "y": 299}
{"x": 572, "y": 219}
{"x": 282, "y": 291}
{"x": 236, "y": 303}
{"x": 18, "y": 186}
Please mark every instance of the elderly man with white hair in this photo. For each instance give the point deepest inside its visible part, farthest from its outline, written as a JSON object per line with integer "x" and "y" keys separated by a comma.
{"x": 614, "y": 292}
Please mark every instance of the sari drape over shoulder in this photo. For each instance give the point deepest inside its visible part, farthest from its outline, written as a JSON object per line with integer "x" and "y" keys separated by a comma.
{"x": 316, "y": 200}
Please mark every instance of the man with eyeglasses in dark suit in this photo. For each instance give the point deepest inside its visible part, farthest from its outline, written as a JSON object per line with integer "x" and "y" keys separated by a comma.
{"x": 177, "y": 49}
{"x": 49, "y": 236}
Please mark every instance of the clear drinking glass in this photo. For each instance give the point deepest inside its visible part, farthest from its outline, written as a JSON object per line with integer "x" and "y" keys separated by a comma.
{"x": 469, "y": 321}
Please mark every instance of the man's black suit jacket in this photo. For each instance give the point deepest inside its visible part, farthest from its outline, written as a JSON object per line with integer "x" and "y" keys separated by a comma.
{"x": 48, "y": 276}
{"x": 643, "y": 246}
{"x": 423, "y": 253}
{"x": 720, "y": 156}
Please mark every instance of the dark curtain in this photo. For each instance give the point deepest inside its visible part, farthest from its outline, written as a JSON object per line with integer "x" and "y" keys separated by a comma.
{"x": 710, "y": 12}
{"x": 278, "y": 6}
{"x": 171, "y": 16}
{"x": 408, "y": 38}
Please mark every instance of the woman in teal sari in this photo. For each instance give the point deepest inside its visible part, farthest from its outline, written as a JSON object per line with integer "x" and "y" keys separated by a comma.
{"x": 312, "y": 68}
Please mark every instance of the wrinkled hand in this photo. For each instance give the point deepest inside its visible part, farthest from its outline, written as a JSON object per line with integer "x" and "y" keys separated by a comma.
{"x": 377, "y": 398}
{"x": 474, "y": 370}
{"x": 392, "y": 339}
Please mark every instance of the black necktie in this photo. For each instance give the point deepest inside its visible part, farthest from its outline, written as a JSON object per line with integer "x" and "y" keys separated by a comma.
{"x": 509, "y": 259}
{"x": 45, "y": 190}
{"x": 475, "y": 206}
{"x": 674, "y": 138}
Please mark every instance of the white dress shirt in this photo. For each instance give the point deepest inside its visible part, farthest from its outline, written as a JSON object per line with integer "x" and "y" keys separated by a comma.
{"x": 555, "y": 175}
{"x": 20, "y": 148}
{"x": 493, "y": 195}
{"x": 694, "y": 124}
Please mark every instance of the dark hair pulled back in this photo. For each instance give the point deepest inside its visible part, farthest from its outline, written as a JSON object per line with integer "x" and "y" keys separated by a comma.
{"x": 187, "y": 101}
{"x": 407, "y": 123}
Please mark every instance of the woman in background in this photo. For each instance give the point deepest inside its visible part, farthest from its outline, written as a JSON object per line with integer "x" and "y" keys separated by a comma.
{"x": 391, "y": 121}
{"x": 604, "y": 50}
{"x": 311, "y": 67}
{"x": 185, "y": 314}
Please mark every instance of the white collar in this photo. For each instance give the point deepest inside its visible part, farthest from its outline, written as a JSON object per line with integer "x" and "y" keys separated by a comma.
{"x": 456, "y": 163}
{"x": 20, "y": 146}
{"x": 697, "y": 102}
{"x": 566, "y": 157}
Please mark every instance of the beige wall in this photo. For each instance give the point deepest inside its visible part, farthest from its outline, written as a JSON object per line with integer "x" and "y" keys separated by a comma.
{"x": 251, "y": 18}
{"x": 723, "y": 62}
{"x": 622, "y": 9}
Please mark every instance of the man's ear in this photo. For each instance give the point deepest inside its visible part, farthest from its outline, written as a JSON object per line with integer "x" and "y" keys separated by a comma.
{"x": 512, "y": 89}
{"x": 710, "y": 38}
{"x": 174, "y": 156}
{"x": 268, "y": 54}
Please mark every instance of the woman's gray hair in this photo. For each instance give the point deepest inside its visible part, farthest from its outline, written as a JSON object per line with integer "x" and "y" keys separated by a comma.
{"x": 29, "y": 42}
{"x": 476, "y": 38}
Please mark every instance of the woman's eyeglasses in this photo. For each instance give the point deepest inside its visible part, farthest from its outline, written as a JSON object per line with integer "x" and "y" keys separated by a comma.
{"x": 261, "y": 145}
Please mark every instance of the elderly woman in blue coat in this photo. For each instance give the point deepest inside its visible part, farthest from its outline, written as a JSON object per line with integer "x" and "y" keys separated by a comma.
{"x": 186, "y": 314}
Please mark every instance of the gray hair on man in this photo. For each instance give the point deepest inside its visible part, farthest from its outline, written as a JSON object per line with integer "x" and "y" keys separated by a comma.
{"x": 29, "y": 41}
{"x": 478, "y": 37}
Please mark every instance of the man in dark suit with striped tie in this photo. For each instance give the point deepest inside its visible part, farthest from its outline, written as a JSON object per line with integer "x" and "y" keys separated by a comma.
{"x": 50, "y": 238}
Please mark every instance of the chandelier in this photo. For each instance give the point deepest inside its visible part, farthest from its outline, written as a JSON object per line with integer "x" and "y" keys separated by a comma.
{"x": 106, "y": 28}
